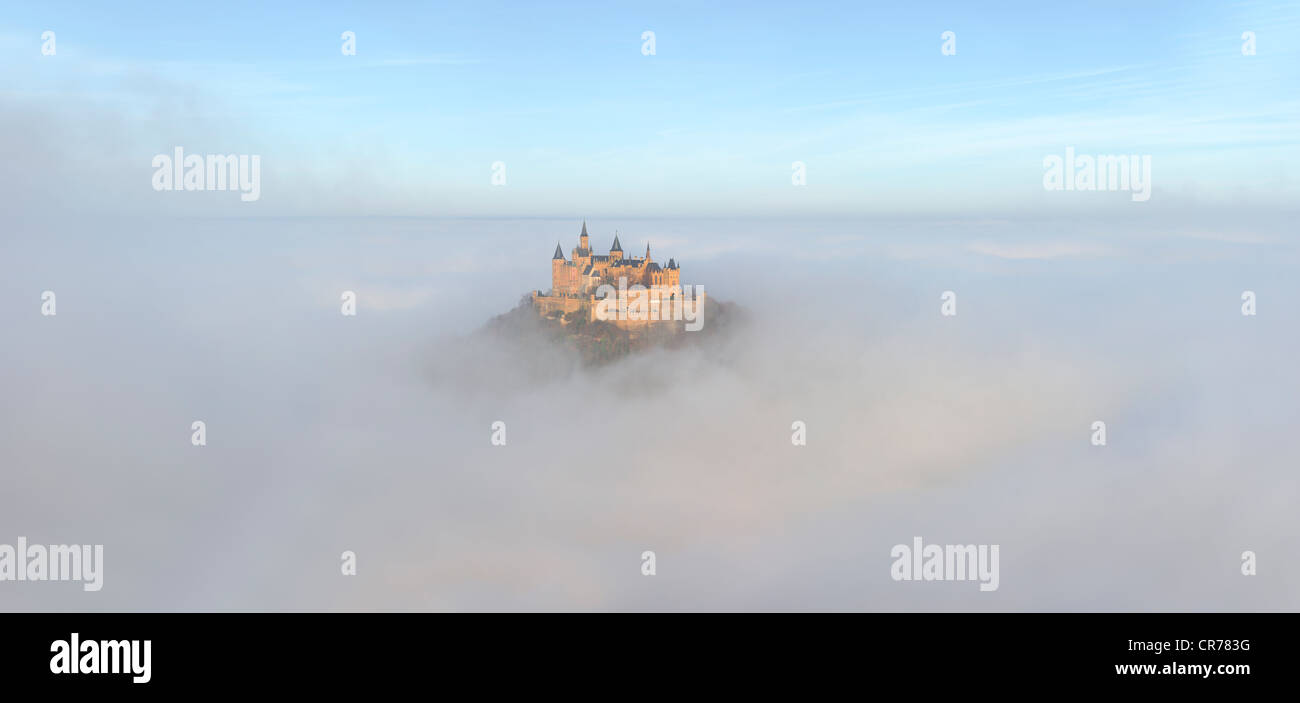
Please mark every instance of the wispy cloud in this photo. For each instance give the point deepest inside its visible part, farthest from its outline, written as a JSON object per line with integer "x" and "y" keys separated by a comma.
{"x": 1036, "y": 250}
{"x": 424, "y": 61}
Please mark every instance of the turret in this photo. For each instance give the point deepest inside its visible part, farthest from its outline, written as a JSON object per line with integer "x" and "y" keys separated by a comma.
{"x": 557, "y": 270}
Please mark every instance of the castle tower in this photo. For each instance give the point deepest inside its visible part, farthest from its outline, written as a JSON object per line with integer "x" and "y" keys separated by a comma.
{"x": 582, "y": 252}
{"x": 557, "y": 270}
{"x": 616, "y": 251}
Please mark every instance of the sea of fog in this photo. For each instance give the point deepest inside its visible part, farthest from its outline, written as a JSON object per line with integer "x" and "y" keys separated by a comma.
{"x": 371, "y": 434}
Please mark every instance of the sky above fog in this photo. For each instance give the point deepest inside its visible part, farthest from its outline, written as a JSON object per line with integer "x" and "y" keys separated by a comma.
{"x": 707, "y": 126}
{"x": 372, "y": 434}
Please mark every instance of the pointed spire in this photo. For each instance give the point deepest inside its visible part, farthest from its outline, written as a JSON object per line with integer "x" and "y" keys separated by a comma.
{"x": 559, "y": 254}
{"x": 617, "y": 247}
{"x": 647, "y": 251}
{"x": 584, "y": 229}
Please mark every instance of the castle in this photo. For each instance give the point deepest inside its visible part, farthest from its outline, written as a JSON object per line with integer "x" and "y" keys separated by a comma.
{"x": 630, "y": 292}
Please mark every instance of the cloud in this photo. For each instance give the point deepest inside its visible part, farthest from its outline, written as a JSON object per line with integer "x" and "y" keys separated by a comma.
{"x": 386, "y": 299}
{"x": 424, "y": 61}
{"x": 372, "y": 433}
{"x": 1036, "y": 250}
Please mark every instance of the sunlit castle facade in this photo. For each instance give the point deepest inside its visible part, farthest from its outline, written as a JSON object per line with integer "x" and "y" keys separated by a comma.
{"x": 628, "y": 291}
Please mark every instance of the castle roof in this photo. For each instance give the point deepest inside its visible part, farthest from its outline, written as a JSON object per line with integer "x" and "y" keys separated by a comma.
{"x": 617, "y": 246}
{"x": 652, "y": 267}
{"x": 559, "y": 254}
{"x": 584, "y": 229}
{"x": 672, "y": 263}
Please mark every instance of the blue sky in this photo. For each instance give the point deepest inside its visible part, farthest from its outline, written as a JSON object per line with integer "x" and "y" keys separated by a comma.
{"x": 709, "y": 125}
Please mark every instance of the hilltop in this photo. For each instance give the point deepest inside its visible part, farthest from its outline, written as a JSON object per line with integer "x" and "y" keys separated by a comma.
{"x": 597, "y": 342}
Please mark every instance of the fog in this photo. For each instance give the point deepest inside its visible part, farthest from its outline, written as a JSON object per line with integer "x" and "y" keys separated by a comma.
{"x": 371, "y": 433}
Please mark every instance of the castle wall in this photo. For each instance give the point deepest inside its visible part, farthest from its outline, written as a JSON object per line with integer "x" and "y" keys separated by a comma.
{"x": 652, "y": 312}
{"x": 565, "y": 277}
{"x": 548, "y": 303}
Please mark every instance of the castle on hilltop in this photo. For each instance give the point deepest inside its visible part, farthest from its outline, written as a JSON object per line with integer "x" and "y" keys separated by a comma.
{"x": 628, "y": 291}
